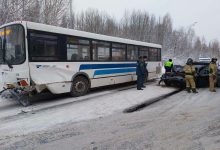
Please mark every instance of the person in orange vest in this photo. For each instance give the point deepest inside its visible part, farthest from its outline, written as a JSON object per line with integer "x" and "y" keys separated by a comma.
{"x": 212, "y": 74}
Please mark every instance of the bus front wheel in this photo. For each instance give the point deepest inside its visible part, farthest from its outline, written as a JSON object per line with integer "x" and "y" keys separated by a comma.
{"x": 80, "y": 86}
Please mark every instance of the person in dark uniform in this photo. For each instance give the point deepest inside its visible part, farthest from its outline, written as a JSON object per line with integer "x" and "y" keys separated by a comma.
{"x": 141, "y": 72}
{"x": 145, "y": 71}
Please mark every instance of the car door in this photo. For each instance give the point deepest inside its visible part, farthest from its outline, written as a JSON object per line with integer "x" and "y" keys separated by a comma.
{"x": 202, "y": 79}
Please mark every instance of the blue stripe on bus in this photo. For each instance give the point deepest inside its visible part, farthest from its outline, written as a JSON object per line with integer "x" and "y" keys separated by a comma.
{"x": 105, "y": 66}
{"x": 113, "y": 71}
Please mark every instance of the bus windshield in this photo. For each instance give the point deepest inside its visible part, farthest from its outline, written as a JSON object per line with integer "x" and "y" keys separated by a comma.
{"x": 12, "y": 43}
{"x": 1, "y": 45}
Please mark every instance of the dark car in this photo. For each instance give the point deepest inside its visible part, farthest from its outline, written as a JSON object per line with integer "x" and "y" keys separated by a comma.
{"x": 176, "y": 78}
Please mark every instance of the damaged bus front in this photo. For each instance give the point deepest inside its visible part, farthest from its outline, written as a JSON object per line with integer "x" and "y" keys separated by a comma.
{"x": 13, "y": 59}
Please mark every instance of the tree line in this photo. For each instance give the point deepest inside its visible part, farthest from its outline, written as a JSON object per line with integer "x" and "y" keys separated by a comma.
{"x": 136, "y": 25}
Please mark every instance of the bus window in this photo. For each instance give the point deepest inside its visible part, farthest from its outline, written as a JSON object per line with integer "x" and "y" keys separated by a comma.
{"x": 153, "y": 54}
{"x": 101, "y": 51}
{"x": 132, "y": 52}
{"x": 1, "y": 45}
{"x": 144, "y": 51}
{"x": 43, "y": 47}
{"x": 158, "y": 54}
{"x": 14, "y": 46}
{"x": 77, "y": 49}
{"x": 118, "y": 52}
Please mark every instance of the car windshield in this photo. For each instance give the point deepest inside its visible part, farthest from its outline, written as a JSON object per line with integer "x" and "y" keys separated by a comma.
{"x": 13, "y": 36}
{"x": 177, "y": 68}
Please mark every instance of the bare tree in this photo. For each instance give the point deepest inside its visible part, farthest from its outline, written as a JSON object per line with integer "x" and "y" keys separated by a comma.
{"x": 198, "y": 47}
{"x": 214, "y": 48}
{"x": 53, "y": 10}
{"x": 32, "y": 12}
{"x": 11, "y": 10}
{"x": 97, "y": 22}
{"x": 136, "y": 25}
{"x": 44, "y": 11}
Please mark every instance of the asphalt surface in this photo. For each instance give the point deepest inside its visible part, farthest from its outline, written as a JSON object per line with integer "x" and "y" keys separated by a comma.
{"x": 180, "y": 122}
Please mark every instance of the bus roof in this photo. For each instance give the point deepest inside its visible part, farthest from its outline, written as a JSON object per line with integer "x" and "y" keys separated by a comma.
{"x": 60, "y": 30}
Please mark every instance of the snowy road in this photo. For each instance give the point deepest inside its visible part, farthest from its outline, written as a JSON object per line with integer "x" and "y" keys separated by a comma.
{"x": 180, "y": 122}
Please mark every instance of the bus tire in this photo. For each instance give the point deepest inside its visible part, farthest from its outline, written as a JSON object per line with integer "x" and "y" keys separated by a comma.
{"x": 80, "y": 86}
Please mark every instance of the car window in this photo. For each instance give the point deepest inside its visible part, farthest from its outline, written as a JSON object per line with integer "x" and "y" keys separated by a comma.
{"x": 177, "y": 68}
{"x": 204, "y": 71}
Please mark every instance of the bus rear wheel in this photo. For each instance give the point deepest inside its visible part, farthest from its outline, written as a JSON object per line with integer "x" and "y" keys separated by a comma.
{"x": 80, "y": 86}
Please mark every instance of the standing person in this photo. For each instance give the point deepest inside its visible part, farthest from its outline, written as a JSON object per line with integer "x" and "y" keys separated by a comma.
{"x": 168, "y": 65}
{"x": 140, "y": 72}
{"x": 190, "y": 72}
{"x": 145, "y": 71}
{"x": 212, "y": 74}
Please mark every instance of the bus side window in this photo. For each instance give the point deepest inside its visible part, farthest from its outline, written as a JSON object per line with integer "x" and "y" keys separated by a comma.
{"x": 74, "y": 57}
{"x": 77, "y": 49}
{"x": 153, "y": 54}
{"x": 158, "y": 54}
{"x": 132, "y": 53}
{"x": 118, "y": 52}
{"x": 44, "y": 47}
{"x": 101, "y": 51}
{"x": 144, "y": 51}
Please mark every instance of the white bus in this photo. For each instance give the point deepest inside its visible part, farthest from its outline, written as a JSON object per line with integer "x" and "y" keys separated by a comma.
{"x": 38, "y": 57}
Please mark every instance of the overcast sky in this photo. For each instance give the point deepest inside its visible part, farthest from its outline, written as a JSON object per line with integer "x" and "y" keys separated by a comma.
{"x": 183, "y": 12}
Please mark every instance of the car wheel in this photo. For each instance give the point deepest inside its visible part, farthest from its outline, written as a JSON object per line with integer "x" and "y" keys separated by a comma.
{"x": 80, "y": 86}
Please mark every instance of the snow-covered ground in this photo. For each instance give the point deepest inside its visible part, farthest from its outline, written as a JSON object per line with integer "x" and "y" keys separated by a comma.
{"x": 180, "y": 122}
{"x": 17, "y": 120}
